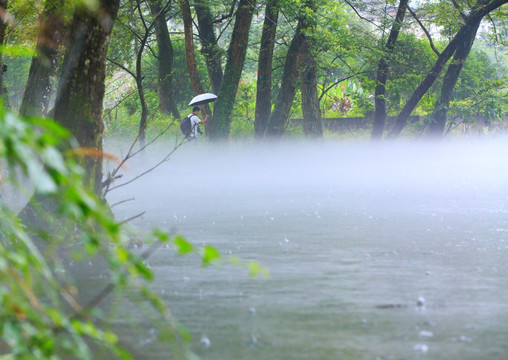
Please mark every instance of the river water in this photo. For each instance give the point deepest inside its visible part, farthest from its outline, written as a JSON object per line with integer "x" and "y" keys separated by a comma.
{"x": 374, "y": 252}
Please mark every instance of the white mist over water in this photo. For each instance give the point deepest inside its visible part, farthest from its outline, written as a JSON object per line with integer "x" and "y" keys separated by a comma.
{"x": 354, "y": 236}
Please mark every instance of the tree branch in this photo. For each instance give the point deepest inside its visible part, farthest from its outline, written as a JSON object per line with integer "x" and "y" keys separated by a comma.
{"x": 121, "y": 67}
{"x": 112, "y": 175}
{"x": 360, "y": 16}
{"x": 323, "y": 93}
{"x": 226, "y": 16}
{"x": 424, "y": 30}
{"x": 166, "y": 158}
{"x": 132, "y": 218}
{"x": 121, "y": 202}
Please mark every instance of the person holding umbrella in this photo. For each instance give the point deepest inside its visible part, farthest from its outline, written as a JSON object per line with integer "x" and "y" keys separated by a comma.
{"x": 194, "y": 124}
{"x": 191, "y": 129}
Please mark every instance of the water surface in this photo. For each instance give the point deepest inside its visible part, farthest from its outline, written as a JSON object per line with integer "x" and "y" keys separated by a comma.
{"x": 353, "y": 235}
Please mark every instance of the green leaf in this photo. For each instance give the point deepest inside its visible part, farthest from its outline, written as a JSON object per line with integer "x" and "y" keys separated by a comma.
{"x": 161, "y": 235}
{"x": 255, "y": 269}
{"x": 209, "y": 254}
{"x": 182, "y": 245}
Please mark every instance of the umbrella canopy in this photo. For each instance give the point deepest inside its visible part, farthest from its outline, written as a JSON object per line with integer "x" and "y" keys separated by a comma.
{"x": 203, "y": 99}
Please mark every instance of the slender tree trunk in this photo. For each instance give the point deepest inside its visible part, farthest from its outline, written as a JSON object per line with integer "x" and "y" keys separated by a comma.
{"x": 382, "y": 73}
{"x": 209, "y": 47}
{"x": 481, "y": 9}
{"x": 219, "y": 127}
{"x": 280, "y": 114}
{"x": 142, "y": 99}
{"x": 438, "y": 122}
{"x": 3, "y": 68}
{"x": 197, "y": 86}
{"x": 81, "y": 89}
{"x": 312, "y": 125}
{"x": 165, "y": 60}
{"x": 265, "y": 61}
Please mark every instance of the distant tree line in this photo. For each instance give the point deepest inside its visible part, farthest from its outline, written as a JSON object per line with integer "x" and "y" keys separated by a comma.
{"x": 308, "y": 58}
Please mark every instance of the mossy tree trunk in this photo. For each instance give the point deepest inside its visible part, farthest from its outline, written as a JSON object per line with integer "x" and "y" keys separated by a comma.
{"x": 265, "y": 61}
{"x": 282, "y": 107}
{"x": 382, "y": 73}
{"x": 78, "y": 105}
{"x": 39, "y": 86}
{"x": 438, "y": 120}
{"x": 165, "y": 61}
{"x": 312, "y": 124}
{"x": 209, "y": 47}
{"x": 3, "y": 28}
{"x": 197, "y": 86}
{"x": 219, "y": 126}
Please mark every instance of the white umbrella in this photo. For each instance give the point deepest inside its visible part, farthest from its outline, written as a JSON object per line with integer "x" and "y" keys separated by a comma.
{"x": 203, "y": 99}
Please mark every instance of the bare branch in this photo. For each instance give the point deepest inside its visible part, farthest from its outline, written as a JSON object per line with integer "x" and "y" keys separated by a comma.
{"x": 323, "y": 93}
{"x": 121, "y": 67}
{"x": 112, "y": 176}
{"x": 493, "y": 23}
{"x": 424, "y": 30}
{"x": 129, "y": 94}
{"x": 166, "y": 158}
{"x": 121, "y": 202}
{"x": 362, "y": 17}
{"x": 132, "y": 218}
{"x": 138, "y": 3}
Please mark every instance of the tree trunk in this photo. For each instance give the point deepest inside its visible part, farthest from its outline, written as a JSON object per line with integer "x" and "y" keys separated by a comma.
{"x": 3, "y": 68}
{"x": 438, "y": 122}
{"x": 265, "y": 60}
{"x": 219, "y": 127}
{"x": 43, "y": 67}
{"x": 382, "y": 73}
{"x": 312, "y": 125}
{"x": 192, "y": 67}
{"x": 280, "y": 114}
{"x": 209, "y": 47}
{"x": 81, "y": 89}
{"x": 142, "y": 100}
{"x": 480, "y": 10}
{"x": 165, "y": 62}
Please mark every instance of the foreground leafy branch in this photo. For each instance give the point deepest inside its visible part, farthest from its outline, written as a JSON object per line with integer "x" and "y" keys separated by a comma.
{"x": 41, "y": 313}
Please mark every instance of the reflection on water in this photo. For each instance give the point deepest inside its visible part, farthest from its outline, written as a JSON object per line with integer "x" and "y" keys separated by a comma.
{"x": 394, "y": 252}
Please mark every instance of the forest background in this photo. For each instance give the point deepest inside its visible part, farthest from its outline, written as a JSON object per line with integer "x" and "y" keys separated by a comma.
{"x": 292, "y": 64}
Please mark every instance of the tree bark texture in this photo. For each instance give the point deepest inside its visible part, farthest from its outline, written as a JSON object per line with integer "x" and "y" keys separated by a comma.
{"x": 209, "y": 47}
{"x": 81, "y": 89}
{"x": 165, "y": 61}
{"x": 382, "y": 73}
{"x": 438, "y": 120}
{"x": 219, "y": 127}
{"x": 280, "y": 114}
{"x": 265, "y": 61}
{"x": 197, "y": 86}
{"x": 312, "y": 125}
{"x": 142, "y": 99}
{"x": 481, "y": 9}
{"x": 39, "y": 86}
{"x": 3, "y": 28}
